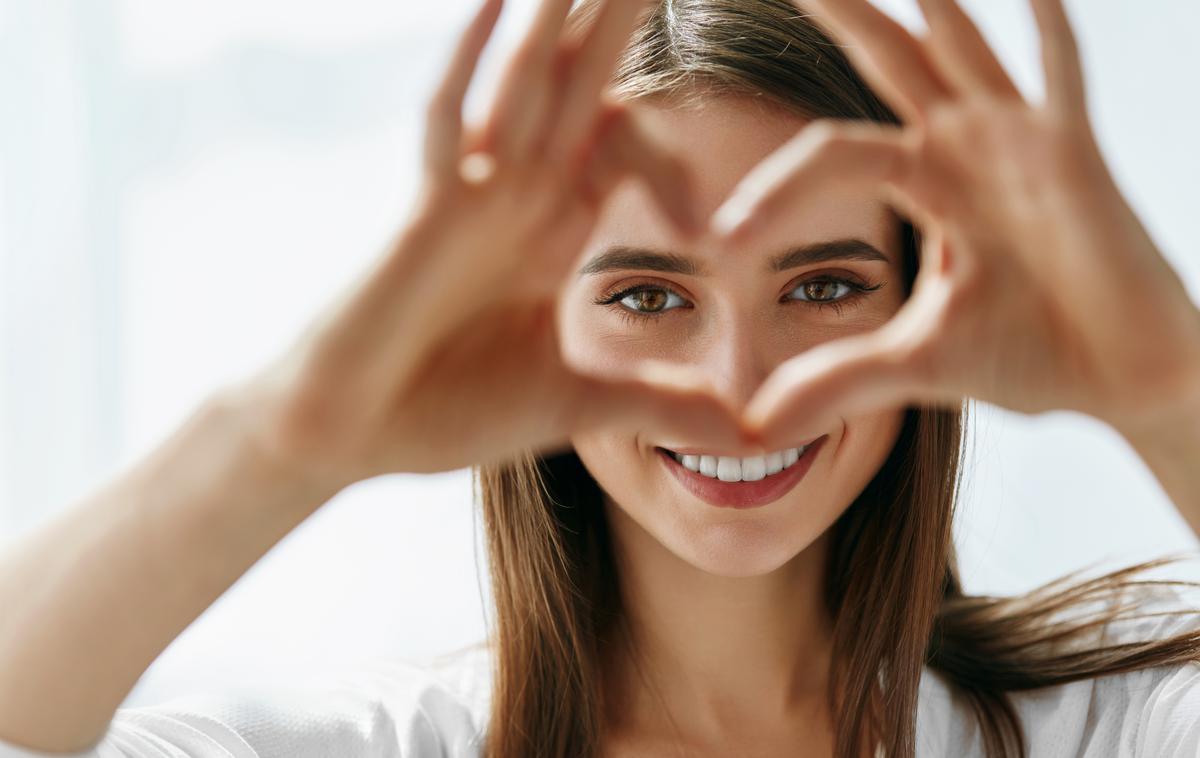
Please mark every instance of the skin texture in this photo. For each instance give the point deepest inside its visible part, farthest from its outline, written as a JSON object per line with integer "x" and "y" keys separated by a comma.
{"x": 726, "y": 603}
{"x": 387, "y": 378}
{"x": 1041, "y": 289}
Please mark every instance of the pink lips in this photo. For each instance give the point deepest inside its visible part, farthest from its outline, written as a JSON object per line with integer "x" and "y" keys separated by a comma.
{"x": 742, "y": 494}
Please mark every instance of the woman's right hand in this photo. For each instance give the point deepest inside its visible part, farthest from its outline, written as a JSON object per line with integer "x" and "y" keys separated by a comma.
{"x": 445, "y": 353}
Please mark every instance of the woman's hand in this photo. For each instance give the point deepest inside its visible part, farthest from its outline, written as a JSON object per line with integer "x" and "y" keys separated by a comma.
{"x": 1038, "y": 289}
{"x": 446, "y": 352}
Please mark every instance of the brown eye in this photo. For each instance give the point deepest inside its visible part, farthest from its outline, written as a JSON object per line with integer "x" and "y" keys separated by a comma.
{"x": 649, "y": 300}
{"x": 831, "y": 292}
{"x": 823, "y": 290}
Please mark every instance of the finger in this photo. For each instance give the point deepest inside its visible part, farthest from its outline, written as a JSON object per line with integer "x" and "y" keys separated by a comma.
{"x": 591, "y": 66}
{"x": 1065, "y": 88}
{"x": 888, "y": 56}
{"x": 966, "y": 61}
{"x": 626, "y": 147}
{"x": 824, "y": 156}
{"x": 669, "y": 401}
{"x": 807, "y": 395}
{"x": 524, "y": 95}
{"x": 444, "y": 129}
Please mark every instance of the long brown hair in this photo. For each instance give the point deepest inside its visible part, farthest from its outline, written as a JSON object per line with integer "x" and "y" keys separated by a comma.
{"x": 892, "y": 577}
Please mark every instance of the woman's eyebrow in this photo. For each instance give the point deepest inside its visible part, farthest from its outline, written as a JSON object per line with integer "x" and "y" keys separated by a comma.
{"x": 630, "y": 258}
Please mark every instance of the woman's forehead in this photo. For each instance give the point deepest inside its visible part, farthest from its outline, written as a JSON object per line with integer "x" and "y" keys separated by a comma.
{"x": 726, "y": 135}
{"x": 720, "y": 140}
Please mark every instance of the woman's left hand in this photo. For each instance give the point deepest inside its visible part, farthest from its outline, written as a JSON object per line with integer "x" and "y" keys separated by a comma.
{"x": 1038, "y": 287}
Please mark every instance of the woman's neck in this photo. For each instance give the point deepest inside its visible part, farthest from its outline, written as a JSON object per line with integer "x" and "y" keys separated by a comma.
{"x": 710, "y": 656}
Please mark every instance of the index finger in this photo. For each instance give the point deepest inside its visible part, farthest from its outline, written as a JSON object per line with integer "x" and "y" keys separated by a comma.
{"x": 443, "y": 128}
{"x": 523, "y": 95}
{"x": 592, "y": 63}
{"x": 888, "y": 55}
{"x": 1065, "y": 90}
{"x": 966, "y": 58}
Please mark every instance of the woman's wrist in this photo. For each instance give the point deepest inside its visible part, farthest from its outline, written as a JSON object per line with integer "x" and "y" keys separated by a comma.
{"x": 1167, "y": 437}
{"x": 247, "y": 419}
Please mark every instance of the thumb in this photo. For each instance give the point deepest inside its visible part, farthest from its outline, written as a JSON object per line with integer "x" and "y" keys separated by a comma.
{"x": 806, "y": 395}
{"x": 625, "y": 146}
{"x": 667, "y": 400}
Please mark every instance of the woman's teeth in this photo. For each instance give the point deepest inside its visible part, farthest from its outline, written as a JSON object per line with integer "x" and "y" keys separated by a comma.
{"x": 740, "y": 469}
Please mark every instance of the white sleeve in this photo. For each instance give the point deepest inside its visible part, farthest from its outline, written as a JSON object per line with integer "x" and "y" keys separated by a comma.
{"x": 1167, "y": 717}
{"x": 243, "y": 727}
{"x": 1170, "y": 721}
{"x": 418, "y": 720}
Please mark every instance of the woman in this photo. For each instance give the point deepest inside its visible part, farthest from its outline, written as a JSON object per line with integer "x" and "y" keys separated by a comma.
{"x": 716, "y": 415}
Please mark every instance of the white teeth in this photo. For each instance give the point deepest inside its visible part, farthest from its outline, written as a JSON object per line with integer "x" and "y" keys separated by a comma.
{"x": 754, "y": 469}
{"x": 729, "y": 469}
{"x": 774, "y": 463}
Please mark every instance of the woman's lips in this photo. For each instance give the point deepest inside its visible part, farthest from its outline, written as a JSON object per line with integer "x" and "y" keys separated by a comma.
{"x": 742, "y": 494}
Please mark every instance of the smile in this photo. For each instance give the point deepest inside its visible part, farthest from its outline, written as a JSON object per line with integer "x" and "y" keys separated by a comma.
{"x": 731, "y": 482}
{"x": 740, "y": 469}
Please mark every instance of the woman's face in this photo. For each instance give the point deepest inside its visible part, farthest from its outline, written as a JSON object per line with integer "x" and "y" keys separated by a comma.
{"x": 736, "y": 316}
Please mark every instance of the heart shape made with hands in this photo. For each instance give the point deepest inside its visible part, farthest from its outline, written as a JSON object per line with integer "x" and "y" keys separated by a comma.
{"x": 1038, "y": 287}
{"x": 1037, "y": 284}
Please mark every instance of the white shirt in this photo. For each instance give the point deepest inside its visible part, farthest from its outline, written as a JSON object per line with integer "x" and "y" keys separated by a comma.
{"x": 400, "y": 710}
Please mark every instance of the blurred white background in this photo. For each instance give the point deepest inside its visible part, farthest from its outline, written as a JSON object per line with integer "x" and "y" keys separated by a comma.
{"x": 182, "y": 185}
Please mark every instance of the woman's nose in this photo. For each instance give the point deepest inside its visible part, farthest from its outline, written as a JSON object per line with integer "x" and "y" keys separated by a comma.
{"x": 737, "y": 365}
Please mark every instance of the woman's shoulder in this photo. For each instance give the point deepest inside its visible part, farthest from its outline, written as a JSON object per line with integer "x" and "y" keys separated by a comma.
{"x": 434, "y": 706}
{"x": 401, "y": 708}
{"x": 1153, "y": 711}
{"x": 444, "y": 698}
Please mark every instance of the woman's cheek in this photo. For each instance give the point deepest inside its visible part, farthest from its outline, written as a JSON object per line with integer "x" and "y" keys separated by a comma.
{"x": 864, "y": 447}
{"x": 614, "y": 461}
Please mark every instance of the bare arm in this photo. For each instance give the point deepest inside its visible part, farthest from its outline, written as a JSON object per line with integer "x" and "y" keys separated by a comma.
{"x": 92, "y": 599}
{"x": 1170, "y": 447}
{"x": 386, "y": 380}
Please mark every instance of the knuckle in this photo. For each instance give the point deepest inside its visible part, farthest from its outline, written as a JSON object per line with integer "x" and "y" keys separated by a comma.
{"x": 540, "y": 189}
{"x": 539, "y": 173}
{"x": 967, "y": 282}
{"x": 565, "y": 57}
{"x": 924, "y": 183}
{"x": 614, "y": 122}
{"x": 477, "y": 169}
{"x": 942, "y": 116}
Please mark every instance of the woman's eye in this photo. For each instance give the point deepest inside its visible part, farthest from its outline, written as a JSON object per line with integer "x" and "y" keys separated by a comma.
{"x": 824, "y": 290}
{"x": 651, "y": 300}
{"x": 832, "y": 292}
{"x": 646, "y": 300}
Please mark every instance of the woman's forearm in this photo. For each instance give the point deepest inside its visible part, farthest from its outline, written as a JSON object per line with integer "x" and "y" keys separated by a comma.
{"x": 1170, "y": 447}
{"x": 91, "y": 599}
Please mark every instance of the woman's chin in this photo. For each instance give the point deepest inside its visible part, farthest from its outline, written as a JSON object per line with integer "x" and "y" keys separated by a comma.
{"x": 736, "y": 550}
